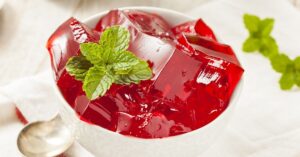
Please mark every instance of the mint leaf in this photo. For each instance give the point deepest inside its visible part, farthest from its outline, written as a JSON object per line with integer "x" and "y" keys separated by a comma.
{"x": 286, "y": 81}
{"x": 129, "y": 69}
{"x": 297, "y": 78}
{"x": 266, "y": 27}
{"x": 78, "y": 66}
{"x": 297, "y": 63}
{"x": 140, "y": 71}
{"x": 280, "y": 62}
{"x": 97, "y": 82}
{"x": 92, "y": 52}
{"x": 268, "y": 47}
{"x": 123, "y": 62}
{"x": 297, "y": 71}
{"x": 123, "y": 67}
{"x": 116, "y": 38}
{"x": 251, "y": 44}
{"x": 251, "y": 22}
{"x": 123, "y": 57}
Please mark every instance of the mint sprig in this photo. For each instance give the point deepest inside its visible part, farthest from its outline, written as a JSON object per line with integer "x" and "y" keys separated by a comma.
{"x": 290, "y": 70}
{"x": 260, "y": 40}
{"x": 107, "y": 62}
{"x": 259, "y": 36}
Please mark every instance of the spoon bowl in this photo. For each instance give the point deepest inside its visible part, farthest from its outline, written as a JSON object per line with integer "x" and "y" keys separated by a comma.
{"x": 45, "y": 138}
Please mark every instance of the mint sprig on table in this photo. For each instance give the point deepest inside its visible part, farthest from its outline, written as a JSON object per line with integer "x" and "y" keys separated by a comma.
{"x": 290, "y": 70}
{"x": 259, "y": 36}
{"x": 107, "y": 62}
{"x": 260, "y": 40}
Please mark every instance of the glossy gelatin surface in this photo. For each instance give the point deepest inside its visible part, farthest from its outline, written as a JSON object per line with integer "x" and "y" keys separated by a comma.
{"x": 194, "y": 75}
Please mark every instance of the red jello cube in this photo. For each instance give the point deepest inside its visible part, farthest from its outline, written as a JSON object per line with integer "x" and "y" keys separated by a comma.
{"x": 197, "y": 28}
{"x": 146, "y": 30}
{"x": 200, "y": 84}
{"x": 153, "y": 125}
{"x": 69, "y": 87}
{"x": 144, "y": 22}
{"x": 187, "y": 28}
{"x": 204, "y": 30}
{"x": 64, "y": 42}
{"x": 97, "y": 112}
{"x": 222, "y": 57}
{"x": 147, "y": 125}
{"x": 173, "y": 79}
{"x": 212, "y": 48}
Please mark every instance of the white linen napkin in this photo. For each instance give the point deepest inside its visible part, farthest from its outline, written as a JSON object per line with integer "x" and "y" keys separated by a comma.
{"x": 34, "y": 96}
{"x": 9, "y": 124}
{"x": 266, "y": 121}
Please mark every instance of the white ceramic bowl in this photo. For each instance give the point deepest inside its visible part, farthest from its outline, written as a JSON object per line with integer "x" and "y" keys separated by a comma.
{"x": 104, "y": 143}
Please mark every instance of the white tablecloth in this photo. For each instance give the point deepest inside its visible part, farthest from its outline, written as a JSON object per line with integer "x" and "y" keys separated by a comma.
{"x": 266, "y": 122}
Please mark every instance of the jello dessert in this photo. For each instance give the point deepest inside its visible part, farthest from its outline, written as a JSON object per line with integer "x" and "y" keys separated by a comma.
{"x": 192, "y": 81}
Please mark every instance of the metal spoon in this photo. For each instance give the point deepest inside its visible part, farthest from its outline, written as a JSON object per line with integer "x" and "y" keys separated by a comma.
{"x": 45, "y": 138}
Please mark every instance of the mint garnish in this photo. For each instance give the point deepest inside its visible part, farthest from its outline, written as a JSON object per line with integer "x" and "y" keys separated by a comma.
{"x": 280, "y": 62}
{"x": 107, "y": 62}
{"x": 259, "y": 36}
{"x": 287, "y": 79}
{"x": 290, "y": 70}
{"x": 260, "y": 40}
{"x": 78, "y": 67}
{"x": 97, "y": 81}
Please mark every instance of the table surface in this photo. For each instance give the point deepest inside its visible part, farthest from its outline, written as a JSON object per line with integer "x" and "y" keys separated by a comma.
{"x": 26, "y": 25}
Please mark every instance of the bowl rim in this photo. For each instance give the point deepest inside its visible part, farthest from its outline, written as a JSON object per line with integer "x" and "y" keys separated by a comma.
{"x": 232, "y": 102}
